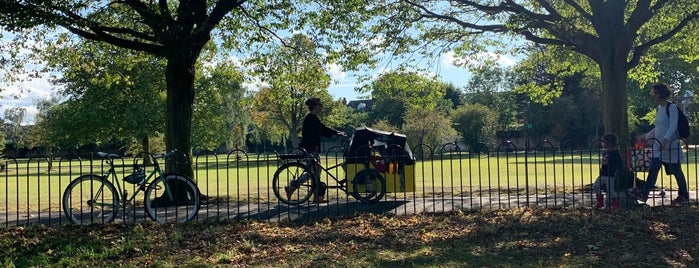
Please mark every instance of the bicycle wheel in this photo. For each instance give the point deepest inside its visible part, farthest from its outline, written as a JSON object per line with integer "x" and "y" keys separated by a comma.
{"x": 292, "y": 183}
{"x": 368, "y": 186}
{"x": 90, "y": 199}
{"x": 172, "y": 198}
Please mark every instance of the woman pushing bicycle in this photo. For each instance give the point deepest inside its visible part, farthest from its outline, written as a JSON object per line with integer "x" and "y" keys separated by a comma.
{"x": 311, "y": 132}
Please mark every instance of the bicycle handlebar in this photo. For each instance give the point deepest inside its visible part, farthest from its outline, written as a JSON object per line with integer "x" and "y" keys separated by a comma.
{"x": 166, "y": 155}
{"x": 108, "y": 155}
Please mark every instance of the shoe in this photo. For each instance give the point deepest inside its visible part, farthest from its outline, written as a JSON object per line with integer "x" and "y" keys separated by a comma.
{"x": 680, "y": 200}
{"x": 600, "y": 202}
{"x": 289, "y": 192}
{"x": 320, "y": 200}
{"x": 637, "y": 194}
{"x": 615, "y": 204}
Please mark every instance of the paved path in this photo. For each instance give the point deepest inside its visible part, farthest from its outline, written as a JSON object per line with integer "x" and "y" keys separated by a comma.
{"x": 349, "y": 207}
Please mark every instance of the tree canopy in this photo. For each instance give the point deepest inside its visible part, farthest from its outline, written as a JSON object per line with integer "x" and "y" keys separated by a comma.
{"x": 614, "y": 34}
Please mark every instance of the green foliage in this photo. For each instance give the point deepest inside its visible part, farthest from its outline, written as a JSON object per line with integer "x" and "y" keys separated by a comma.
{"x": 114, "y": 95}
{"x": 613, "y": 36}
{"x": 492, "y": 86}
{"x": 14, "y": 132}
{"x": 455, "y": 96}
{"x": 294, "y": 73}
{"x": 475, "y": 122}
{"x": 432, "y": 128}
{"x": 384, "y": 125}
{"x": 221, "y": 116}
{"x": 397, "y": 93}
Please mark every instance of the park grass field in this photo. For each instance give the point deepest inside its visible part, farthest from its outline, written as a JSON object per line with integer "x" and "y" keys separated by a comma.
{"x": 30, "y": 185}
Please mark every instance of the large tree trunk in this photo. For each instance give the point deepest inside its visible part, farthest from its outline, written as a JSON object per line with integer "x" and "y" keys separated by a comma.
{"x": 612, "y": 52}
{"x": 615, "y": 103}
{"x": 145, "y": 143}
{"x": 180, "y": 75}
{"x": 294, "y": 137}
{"x": 180, "y": 97}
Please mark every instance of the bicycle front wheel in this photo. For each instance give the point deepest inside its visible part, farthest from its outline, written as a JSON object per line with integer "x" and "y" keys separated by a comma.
{"x": 90, "y": 199}
{"x": 368, "y": 186}
{"x": 292, "y": 183}
{"x": 172, "y": 198}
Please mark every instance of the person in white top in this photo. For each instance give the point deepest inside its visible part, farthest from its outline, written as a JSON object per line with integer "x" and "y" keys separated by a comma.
{"x": 666, "y": 147}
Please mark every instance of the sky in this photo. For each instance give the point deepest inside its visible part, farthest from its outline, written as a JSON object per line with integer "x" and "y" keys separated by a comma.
{"x": 343, "y": 86}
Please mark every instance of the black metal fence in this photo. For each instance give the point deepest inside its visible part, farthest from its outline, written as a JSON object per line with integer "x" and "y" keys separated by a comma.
{"x": 237, "y": 185}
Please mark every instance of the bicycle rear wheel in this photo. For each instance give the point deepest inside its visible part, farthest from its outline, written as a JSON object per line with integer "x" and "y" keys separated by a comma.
{"x": 90, "y": 199}
{"x": 172, "y": 198}
{"x": 292, "y": 183}
{"x": 368, "y": 186}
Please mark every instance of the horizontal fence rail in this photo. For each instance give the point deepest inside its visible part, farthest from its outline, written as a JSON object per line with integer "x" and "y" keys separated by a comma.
{"x": 238, "y": 185}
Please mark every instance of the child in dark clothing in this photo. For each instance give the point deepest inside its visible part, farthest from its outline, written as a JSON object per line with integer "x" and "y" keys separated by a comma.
{"x": 611, "y": 163}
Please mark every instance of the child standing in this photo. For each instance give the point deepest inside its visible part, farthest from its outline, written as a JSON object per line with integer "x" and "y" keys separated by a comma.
{"x": 611, "y": 163}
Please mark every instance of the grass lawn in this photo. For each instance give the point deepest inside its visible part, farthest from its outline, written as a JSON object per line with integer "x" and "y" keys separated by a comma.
{"x": 32, "y": 186}
{"x": 641, "y": 237}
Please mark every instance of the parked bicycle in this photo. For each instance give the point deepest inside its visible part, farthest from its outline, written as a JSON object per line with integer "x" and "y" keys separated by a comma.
{"x": 97, "y": 198}
{"x": 295, "y": 182}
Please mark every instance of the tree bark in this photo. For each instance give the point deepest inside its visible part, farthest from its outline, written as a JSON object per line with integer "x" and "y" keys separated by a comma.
{"x": 145, "y": 143}
{"x": 180, "y": 97}
{"x": 180, "y": 73}
{"x": 615, "y": 102}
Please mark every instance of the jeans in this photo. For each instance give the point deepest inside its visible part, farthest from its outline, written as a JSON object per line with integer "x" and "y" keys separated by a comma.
{"x": 674, "y": 168}
{"x": 314, "y": 166}
{"x": 608, "y": 183}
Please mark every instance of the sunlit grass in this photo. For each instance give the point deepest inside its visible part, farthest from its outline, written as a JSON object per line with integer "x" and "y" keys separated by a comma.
{"x": 30, "y": 185}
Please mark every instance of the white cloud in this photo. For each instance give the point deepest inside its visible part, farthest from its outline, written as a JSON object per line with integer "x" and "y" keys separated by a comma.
{"x": 25, "y": 95}
{"x": 335, "y": 71}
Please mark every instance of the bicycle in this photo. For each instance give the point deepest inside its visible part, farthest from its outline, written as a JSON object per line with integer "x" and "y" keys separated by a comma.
{"x": 169, "y": 197}
{"x": 293, "y": 182}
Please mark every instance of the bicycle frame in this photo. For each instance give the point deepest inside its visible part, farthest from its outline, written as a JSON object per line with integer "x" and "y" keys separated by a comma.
{"x": 123, "y": 194}
{"x": 341, "y": 183}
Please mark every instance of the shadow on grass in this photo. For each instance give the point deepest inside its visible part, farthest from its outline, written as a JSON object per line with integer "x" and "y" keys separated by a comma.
{"x": 310, "y": 211}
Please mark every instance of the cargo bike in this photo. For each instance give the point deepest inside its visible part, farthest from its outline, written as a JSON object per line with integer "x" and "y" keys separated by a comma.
{"x": 376, "y": 162}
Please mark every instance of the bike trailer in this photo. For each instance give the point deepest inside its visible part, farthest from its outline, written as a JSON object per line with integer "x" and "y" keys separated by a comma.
{"x": 386, "y": 152}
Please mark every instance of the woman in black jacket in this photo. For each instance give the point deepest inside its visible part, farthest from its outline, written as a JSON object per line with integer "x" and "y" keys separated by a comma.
{"x": 311, "y": 132}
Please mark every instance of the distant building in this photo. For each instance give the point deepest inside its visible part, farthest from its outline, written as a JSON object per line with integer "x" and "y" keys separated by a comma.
{"x": 361, "y": 104}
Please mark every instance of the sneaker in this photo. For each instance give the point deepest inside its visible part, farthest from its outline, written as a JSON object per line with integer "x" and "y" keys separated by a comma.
{"x": 320, "y": 200}
{"x": 680, "y": 200}
{"x": 637, "y": 194}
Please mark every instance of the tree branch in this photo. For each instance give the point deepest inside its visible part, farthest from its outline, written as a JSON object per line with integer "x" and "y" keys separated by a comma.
{"x": 640, "y": 15}
{"x": 120, "y": 42}
{"x": 432, "y": 15}
{"x": 220, "y": 10}
{"x": 156, "y": 22}
{"x": 641, "y": 50}
{"x": 579, "y": 9}
{"x": 260, "y": 26}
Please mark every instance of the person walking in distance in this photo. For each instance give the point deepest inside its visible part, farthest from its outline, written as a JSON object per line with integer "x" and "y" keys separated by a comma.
{"x": 666, "y": 147}
{"x": 313, "y": 129}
